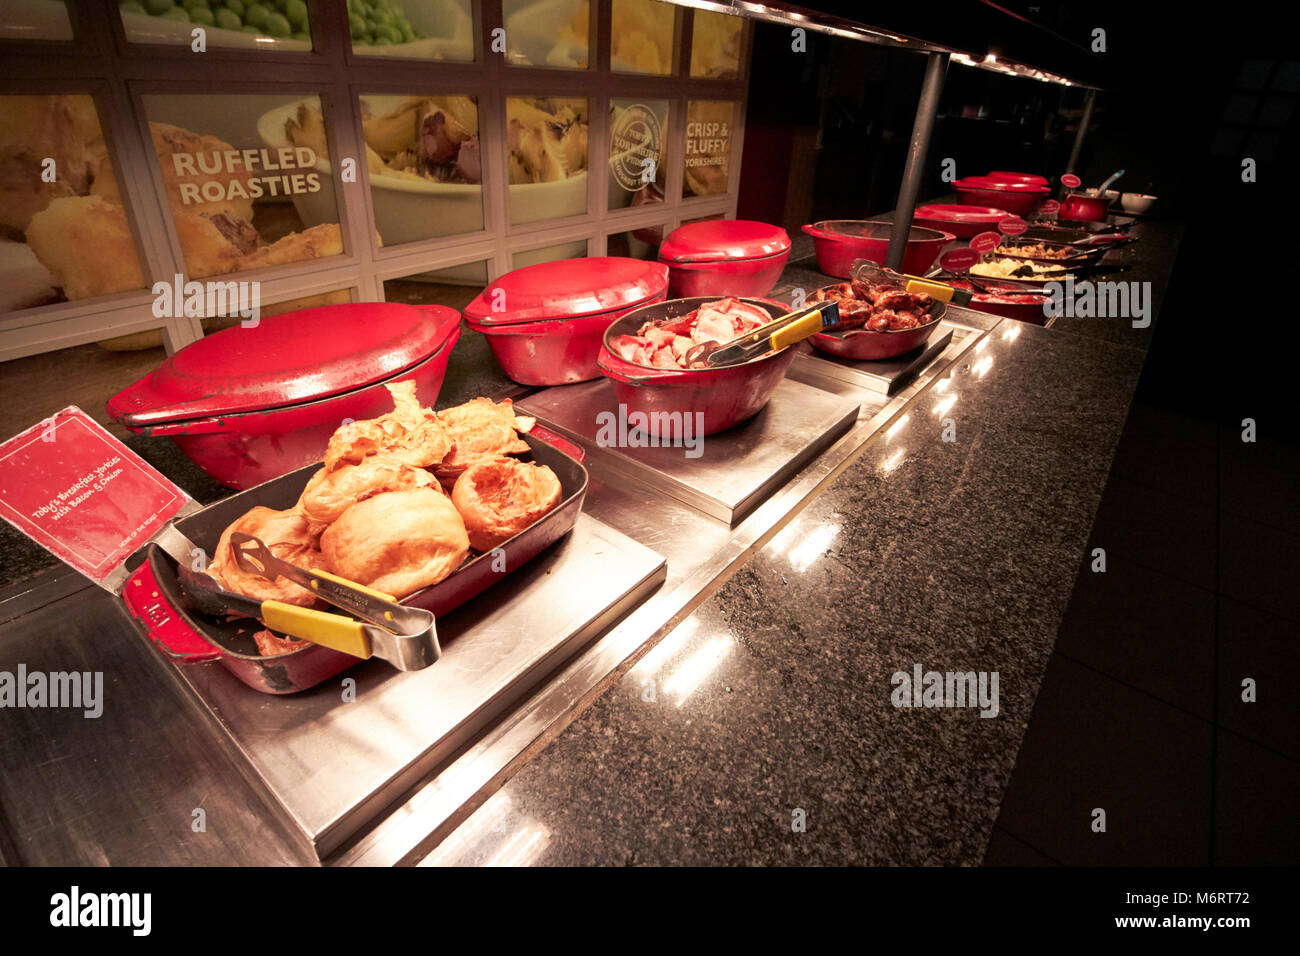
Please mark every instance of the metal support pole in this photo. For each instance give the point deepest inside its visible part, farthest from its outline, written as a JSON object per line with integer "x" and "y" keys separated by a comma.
{"x": 1084, "y": 120}
{"x": 935, "y": 67}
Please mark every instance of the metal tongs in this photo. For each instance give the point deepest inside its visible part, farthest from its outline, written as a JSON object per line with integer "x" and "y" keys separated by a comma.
{"x": 781, "y": 332}
{"x": 403, "y": 636}
{"x": 866, "y": 270}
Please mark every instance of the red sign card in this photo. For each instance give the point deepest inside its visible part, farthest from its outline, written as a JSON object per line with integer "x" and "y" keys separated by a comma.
{"x": 959, "y": 260}
{"x": 985, "y": 241}
{"x": 1071, "y": 180}
{"x": 1049, "y": 207}
{"x": 81, "y": 494}
{"x": 1012, "y": 226}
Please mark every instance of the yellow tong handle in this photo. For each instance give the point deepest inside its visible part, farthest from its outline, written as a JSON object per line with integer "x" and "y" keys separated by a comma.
{"x": 936, "y": 291}
{"x": 797, "y": 331}
{"x": 330, "y": 630}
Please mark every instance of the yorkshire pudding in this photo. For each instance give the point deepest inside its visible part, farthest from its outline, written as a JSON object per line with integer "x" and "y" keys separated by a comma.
{"x": 289, "y": 536}
{"x": 329, "y": 493}
{"x": 410, "y": 433}
{"x": 501, "y": 497}
{"x": 480, "y": 429}
{"x": 397, "y": 541}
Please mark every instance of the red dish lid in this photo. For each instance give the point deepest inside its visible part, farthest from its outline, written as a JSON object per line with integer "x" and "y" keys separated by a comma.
{"x": 719, "y": 240}
{"x": 945, "y": 212}
{"x": 567, "y": 289}
{"x": 1012, "y": 177}
{"x": 997, "y": 185}
{"x": 287, "y": 360}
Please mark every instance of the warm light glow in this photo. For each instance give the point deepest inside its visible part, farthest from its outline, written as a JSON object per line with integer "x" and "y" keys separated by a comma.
{"x": 982, "y": 344}
{"x": 522, "y": 848}
{"x": 981, "y": 367}
{"x": 942, "y": 384}
{"x": 696, "y": 668}
{"x": 1012, "y": 333}
{"x": 812, "y": 546}
{"x": 893, "y": 461}
{"x": 897, "y": 426}
{"x": 941, "y": 407}
{"x": 990, "y": 58}
{"x": 487, "y": 819}
{"x": 665, "y": 650}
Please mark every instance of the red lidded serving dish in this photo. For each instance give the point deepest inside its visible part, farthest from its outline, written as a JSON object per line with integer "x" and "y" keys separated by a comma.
{"x": 962, "y": 221}
{"x": 545, "y": 323}
{"x": 838, "y": 242}
{"x": 251, "y": 404}
{"x": 722, "y": 257}
{"x": 1012, "y": 177}
{"x": 1022, "y": 199}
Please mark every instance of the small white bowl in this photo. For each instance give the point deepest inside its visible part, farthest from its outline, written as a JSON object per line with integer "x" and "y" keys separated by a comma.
{"x": 1136, "y": 202}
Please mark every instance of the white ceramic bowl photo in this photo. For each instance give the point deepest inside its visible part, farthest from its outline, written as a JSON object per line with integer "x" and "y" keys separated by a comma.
{"x": 408, "y": 210}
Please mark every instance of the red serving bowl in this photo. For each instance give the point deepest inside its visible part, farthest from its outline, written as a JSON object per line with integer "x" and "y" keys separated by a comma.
{"x": 962, "y": 221}
{"x": 1011, "y": 303}
{"x": 838, "y": 242}
{"x": 1022, "y": 199}
{"x": 1081, "y": 208}
{"x": 726, "y": 396}
{"x": 868, "y": 345}
{"x": 249, "y": 405}
{"x": 720, "y": 257}
{"x": 1009, "y": 177}
{"x": 545, "y": 323}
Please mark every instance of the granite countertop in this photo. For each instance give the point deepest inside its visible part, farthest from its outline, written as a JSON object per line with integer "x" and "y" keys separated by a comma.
{"x": 775, "y": 696}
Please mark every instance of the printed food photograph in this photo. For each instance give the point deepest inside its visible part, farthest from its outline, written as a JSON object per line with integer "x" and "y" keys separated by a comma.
{"x": 58, "y": 197}
{"x": 692, "y": 434}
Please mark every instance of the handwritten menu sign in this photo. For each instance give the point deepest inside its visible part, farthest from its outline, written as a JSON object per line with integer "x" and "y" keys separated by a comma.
{"x": 81, "y": 494}
{"x": 985, "y": 241}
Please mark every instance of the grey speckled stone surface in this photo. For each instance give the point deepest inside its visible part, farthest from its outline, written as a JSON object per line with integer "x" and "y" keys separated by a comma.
{"x": 956, "y": 556}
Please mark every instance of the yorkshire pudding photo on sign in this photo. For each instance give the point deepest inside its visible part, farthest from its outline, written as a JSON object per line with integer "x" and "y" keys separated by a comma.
{"x": 59, "y": 198}
{"x": 638, "y": 152}
{"x": 708, "y": 147}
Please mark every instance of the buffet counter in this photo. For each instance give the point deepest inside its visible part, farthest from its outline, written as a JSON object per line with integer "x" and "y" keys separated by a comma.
{"x": 935, "y": 519}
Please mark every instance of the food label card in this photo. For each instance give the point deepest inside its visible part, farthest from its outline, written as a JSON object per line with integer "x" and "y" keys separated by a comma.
{"x": 82, "y": 495}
